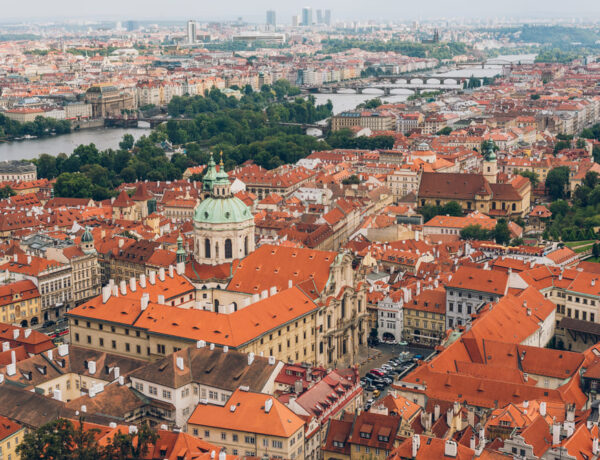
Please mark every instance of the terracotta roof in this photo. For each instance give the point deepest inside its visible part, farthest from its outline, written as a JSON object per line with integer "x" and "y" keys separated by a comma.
{"x": 250, "y": 415}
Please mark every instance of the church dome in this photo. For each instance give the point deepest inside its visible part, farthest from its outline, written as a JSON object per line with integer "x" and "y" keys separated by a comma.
{"x": 87, "y": 236}
{"x": 222, "y": 210}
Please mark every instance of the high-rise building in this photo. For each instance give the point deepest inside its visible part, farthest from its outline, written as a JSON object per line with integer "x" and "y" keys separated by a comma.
{"x": 131, "y": 26}
{"x": 307, "y": 19}
{"x": 271, "y": 18}
{"x": 328, "y": 17}
{"x": 191, "y": 31}
{"x": 295, "y": 21}
{"x": 319, "y": 16}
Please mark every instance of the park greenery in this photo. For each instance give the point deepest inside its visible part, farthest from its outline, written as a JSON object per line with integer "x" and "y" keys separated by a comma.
{"x": 63, "y": 439}
{"x": 576, "y": 220}
{"x": 253, "y": 127}
{"x": 441, "y": 50}
{"x": 40, "y": 127}
{"x": 452, "y": 208}
{"x": 500, "y": 233}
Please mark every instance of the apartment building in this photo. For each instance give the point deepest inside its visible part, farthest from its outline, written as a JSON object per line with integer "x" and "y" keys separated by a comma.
{"x": 250, "y": 424}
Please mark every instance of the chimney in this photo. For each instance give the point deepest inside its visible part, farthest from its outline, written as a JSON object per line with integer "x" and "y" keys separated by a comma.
{"x": 272, "y": 360}
{"x": 290, "y": 284}
{"x": 556, "y": 434}
{"x": 222, "y": 455}
{"x": 144, "y": 301}
{"x": 121, "y": 242}
{"x": 543, "y": 408}
{"x": 272, "y": 291}
{"x": 436, "y": 412}
{"x": 56, "y": 394}
{"x": 27, "y": 333}
{"x": 13, "y": 357}
{"x": 416, "y": 443}
{"x": 117, "y": 372}
{"x": 115, "y": 291}
{"x": 161, "y": 299}
{"x": 132, "y": 284}
{"x": 112, "y": 425}
{"x": 211, "y": 346}
{"x": 16, "y": 333}
{"x": 225, "y": 349}
{"x": 179, "y": 361}
{"x": 595, "y": 447}
{"x": 200, "y": 344}
{"x": 121, "y": 380}
{"x": 450, "y": 449}
{"x": 268, "y": 405}
{"x": 449, "y": 416}
{"x": 171, "y": 271}
{"x": 15, "y": 258}
{"x": 133, "y": 429}
{"x": 161, "y": 273}
{"x": 63, "y": 349}
{"x": 472, "y": 443}
{"x": 152, "y": 277}
{"x": 92, "y": 367}
{"x": 5, "y": 346}
{"x": 83, "y": 408}
{"x": 105, "y": 294}
{"x": 50, "y": 355}
{"x": 250, "y": 358}
{"x": 123, "y": 287}
{"x": 471, "y": 417}
{"x": 264, "y": 294}
{"x": 143, "y": 281}
{"x": 11, "y": 369}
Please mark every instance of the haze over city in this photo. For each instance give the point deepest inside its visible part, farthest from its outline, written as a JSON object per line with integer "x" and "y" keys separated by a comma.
{"x": 383, "y": 10}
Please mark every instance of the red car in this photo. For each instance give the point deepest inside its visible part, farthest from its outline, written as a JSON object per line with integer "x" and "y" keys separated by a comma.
{"x": 377, "y": 372}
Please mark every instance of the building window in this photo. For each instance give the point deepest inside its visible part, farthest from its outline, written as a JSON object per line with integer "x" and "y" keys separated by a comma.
{"x": 207, "y": 248}
{"x": 249, "y": 439}
{"x": 228, "y": 249}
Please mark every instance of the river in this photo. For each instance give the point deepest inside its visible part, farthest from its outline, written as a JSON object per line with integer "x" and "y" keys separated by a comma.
{"x": 348, "y": 99}
{"x": 104, "y": 138}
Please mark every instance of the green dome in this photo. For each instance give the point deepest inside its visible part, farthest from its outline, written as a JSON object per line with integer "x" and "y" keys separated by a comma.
{"x": 217, "y": 210}
{"x": 87, "y": 236}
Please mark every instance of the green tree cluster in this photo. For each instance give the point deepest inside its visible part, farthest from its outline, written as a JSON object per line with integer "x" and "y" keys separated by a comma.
{"x": 62, "y": 439}
{"x": 40, "y": 127}
{"x": 452, "y": 208}
{"x": 557, "y": 182}
{"x": 500, "y": 234}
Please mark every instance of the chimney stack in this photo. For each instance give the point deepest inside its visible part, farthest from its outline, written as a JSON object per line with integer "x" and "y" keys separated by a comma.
{"x": 171, "y": 271}
{"x": 123, "y": 286}
{"x": 161, "y": 273}
{"x": 132, "y": 284}
{"x": 416, "y": 443}
{"x": 152, "y": 277}
{"x": 143, "y": 281}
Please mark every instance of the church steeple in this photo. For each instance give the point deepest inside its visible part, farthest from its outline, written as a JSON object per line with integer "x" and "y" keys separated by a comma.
{"x": 181, "y": 255}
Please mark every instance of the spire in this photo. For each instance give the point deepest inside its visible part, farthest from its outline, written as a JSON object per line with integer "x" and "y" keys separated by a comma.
{"x": 210, "y": 176}
{"x": 181, "y": 255}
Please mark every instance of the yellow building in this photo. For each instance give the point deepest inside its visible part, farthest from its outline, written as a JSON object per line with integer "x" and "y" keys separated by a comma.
{"x": 20, "y": 303}
{"x": 425, "y": 317}
{"x": 11, "y": 434}
{"x": 250, "y": 424}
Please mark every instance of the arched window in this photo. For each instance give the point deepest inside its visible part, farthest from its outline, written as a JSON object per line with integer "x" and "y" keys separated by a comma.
{"x": 207, "y": 248}
{"x": 228, "y": 249}
{"x": 246, "y": 246}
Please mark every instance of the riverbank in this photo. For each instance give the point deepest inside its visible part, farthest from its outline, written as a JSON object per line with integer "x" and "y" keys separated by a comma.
{"x": 103, "y": 138}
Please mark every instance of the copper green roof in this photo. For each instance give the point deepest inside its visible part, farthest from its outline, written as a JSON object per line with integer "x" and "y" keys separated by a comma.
{"x": 222, "y": 210}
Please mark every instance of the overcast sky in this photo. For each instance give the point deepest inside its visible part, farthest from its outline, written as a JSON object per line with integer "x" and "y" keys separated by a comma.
{"x": 255, "y": 10}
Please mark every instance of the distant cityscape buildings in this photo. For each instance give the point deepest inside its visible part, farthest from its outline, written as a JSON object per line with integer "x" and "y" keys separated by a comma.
{"x": 307, "y": 18}
{"x": 191, "y": 31}
{"x": 271, "y": 18}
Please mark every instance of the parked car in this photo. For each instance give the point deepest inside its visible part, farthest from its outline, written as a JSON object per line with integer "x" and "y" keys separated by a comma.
{"x": 377, "y": 372}
{"x": 48, "y": 323}
{"x": 417, "y": 357}
{"x": 403, "y": 343}
{"x": 370, "y": 387}
{"x": 376, "y": 393}
{"x": 379, "y": 385}
{"x": 370, "y": 401}
{"x": 388, "y": 380}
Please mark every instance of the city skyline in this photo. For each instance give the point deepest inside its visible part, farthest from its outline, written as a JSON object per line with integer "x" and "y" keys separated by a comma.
{"x": 378, "y": 10}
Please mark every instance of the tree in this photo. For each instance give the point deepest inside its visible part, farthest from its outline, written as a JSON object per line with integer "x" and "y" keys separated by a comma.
{"x": 557, "y": 182}
{"x": 452, "y": 208}
{"x": 580, "y": 143}
{"x": 591, "y": 179}
{"x": 596, "y": 250}
{"x": 502, "y": 232}
{"x": 73, "y": 185}
{"x": 53, "y": 440}
{"x": 444, "y": 131}
{"x": 561, "y": 145}
{"x": 531, "y": 175}
{"x": 6, "y": 192}
{"x": 475, "y": 232}
{"x": 127, "y": 142}
{"x": 353, "y": 179}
